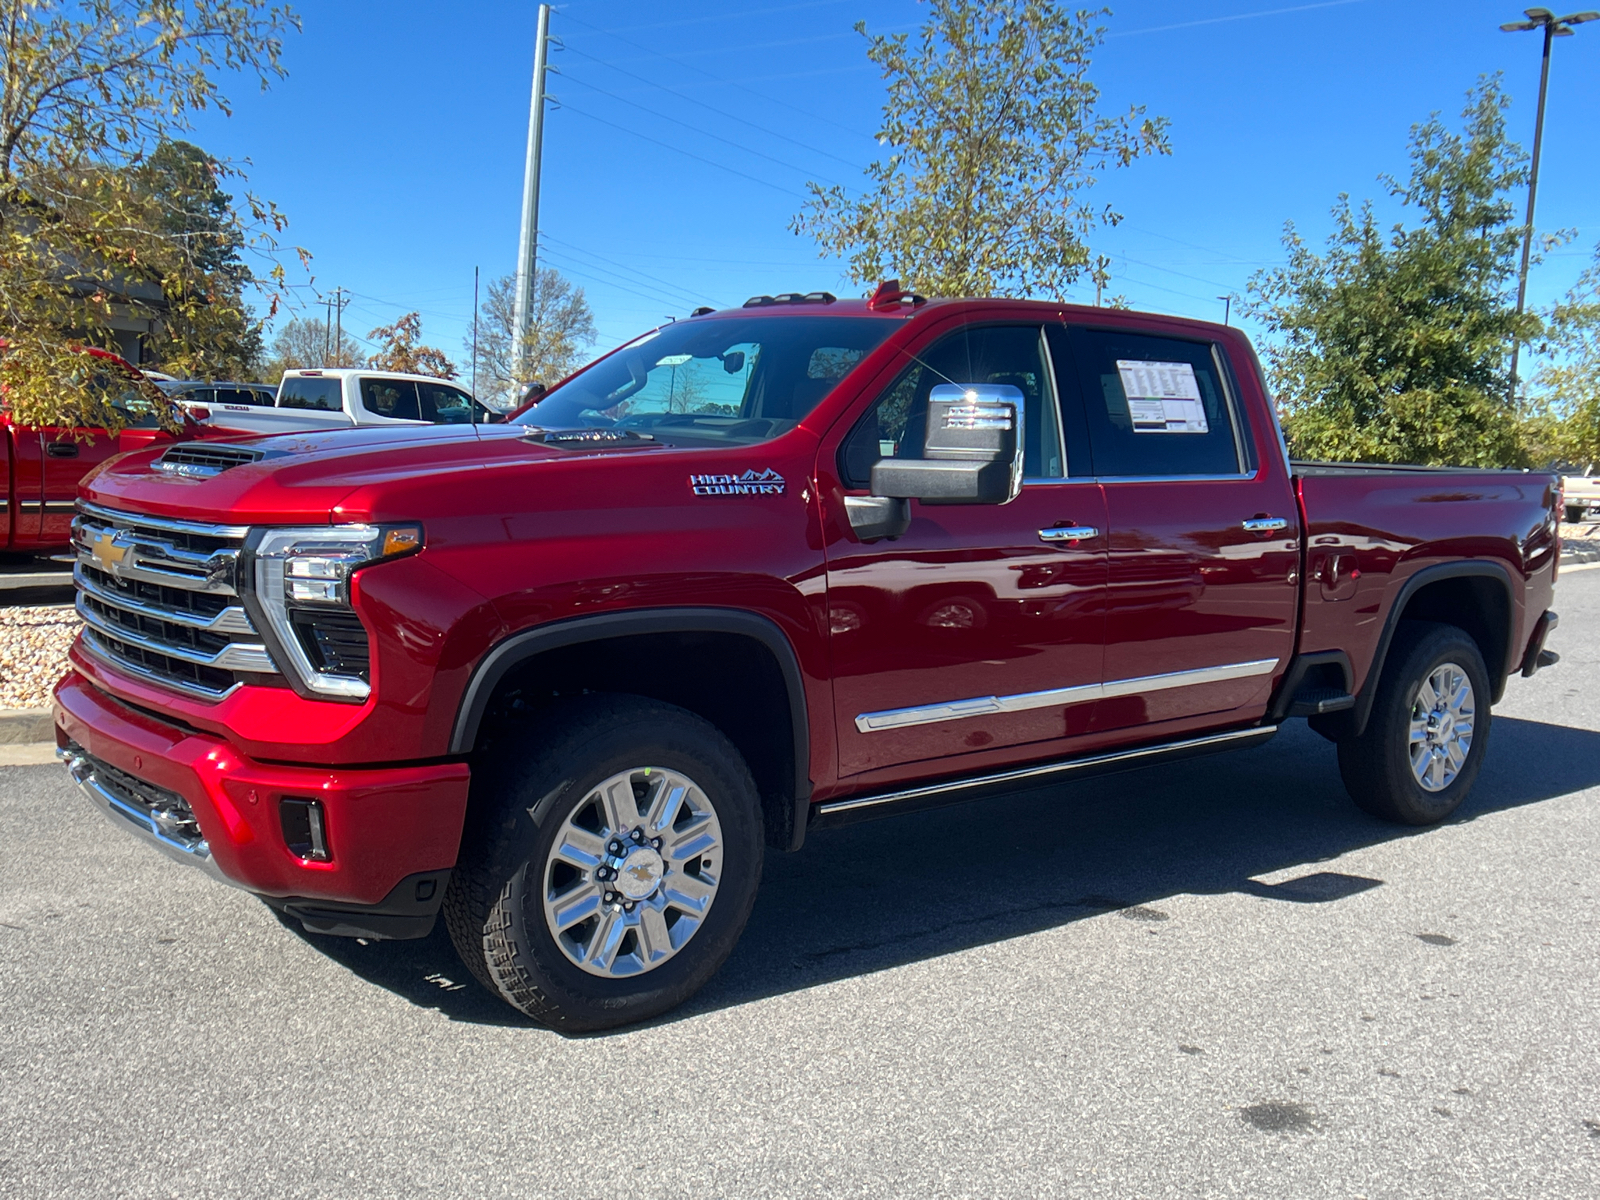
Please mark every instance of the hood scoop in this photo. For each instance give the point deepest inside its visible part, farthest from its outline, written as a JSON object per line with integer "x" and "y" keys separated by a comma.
{"x": 206, "y": 460}
{"x": 587, "y": 439}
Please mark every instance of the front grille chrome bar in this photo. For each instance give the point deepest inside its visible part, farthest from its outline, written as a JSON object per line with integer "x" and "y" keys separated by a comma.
{"x": 230, "y": 620}
{"x": 236, "y": 656}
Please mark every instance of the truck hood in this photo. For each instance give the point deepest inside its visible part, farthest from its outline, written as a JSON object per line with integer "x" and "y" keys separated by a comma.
{"x": 304, "y": 476}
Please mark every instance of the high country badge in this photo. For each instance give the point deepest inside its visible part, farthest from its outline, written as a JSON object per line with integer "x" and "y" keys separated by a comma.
{"x": 751, "y": 483}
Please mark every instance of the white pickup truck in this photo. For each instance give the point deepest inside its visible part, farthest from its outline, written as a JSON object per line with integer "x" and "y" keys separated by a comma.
{"x": 341, "y": 396}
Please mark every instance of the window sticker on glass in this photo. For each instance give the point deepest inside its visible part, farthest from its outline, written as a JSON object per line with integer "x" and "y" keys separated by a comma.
{"x": 1163, "y": 397}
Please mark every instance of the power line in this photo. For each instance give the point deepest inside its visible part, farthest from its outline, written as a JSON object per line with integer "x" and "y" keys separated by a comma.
{"x": 621, "y": 281}
{"x": 657, "y": 54}
{"x": 714, "y": 108}
{"x": 749, "y": 12}
{"x": 574, "y": 247}
{"x": 696, "y": 129}
{"x": 687, "y": 154}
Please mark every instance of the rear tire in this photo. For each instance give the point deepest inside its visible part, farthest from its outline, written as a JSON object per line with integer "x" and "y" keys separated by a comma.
{"x": 1575, "y": 513}
{"x": 1428, "y": 730}
{"x": 558, "y": 909}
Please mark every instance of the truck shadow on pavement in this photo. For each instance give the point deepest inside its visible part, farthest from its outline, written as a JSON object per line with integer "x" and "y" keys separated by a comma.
{"x": 885, "y": 893}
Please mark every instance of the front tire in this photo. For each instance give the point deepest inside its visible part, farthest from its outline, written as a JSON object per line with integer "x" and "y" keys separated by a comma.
{"x": 1428, "y": 731}
{"x": 610, "y": 863}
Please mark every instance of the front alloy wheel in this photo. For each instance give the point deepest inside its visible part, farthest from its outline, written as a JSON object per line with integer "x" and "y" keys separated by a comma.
{"x": 610, "y": 860}
{"x": 632, "y": 875}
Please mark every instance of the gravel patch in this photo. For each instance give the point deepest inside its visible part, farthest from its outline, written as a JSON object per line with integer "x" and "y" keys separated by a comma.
{"x": 33, "y": 652}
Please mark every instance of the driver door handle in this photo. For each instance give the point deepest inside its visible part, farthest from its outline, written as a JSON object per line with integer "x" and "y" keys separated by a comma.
{"x": 1070, "y": 533}
{"x": 1265, "y": 524}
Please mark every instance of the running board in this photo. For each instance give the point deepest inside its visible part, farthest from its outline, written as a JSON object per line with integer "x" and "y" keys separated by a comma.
{"x": 955, "y": 791}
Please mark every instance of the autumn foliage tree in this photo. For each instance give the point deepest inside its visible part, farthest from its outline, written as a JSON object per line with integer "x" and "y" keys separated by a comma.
{"x": 400, "y": 350}
{"x": 105, "y": 220}
{"x": 995, "y": 139}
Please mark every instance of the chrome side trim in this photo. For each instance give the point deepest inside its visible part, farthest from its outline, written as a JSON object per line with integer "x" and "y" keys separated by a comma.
{"x": 60, "y": 506}
{"x": 1172, "y": 478}
{"x": 235, "y": 532}
{"x": 91, "y": 645}
{"x": 229, "y": 620}
{"x": 979, "y": 706}
{"x": 1046, "y": 770}
{"x": 143, "y": 825}
{"x": 237, "y": 656}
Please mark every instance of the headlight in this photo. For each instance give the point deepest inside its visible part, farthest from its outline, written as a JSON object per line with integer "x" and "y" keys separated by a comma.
{"x": 301, "y": 600}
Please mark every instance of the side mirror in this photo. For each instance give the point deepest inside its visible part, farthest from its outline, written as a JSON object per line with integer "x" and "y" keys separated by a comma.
{"x": 971, "y": 452}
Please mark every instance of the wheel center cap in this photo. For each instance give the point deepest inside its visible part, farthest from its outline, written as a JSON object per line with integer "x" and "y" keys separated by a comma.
{"x": 1440, "y": 726}
{"x": 639, "y": 873}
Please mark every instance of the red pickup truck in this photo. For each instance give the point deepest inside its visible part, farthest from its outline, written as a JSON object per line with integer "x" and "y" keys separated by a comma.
{"x": 42, "y": 466}
{"x": 762, "y": 570}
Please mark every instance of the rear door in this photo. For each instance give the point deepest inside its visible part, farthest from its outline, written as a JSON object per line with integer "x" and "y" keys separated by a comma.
{"x": 1204, "y": 550}
{"x": 980, "y": 627}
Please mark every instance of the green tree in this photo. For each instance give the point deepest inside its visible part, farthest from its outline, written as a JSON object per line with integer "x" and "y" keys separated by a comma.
{"x": 994, "y": 139}
{"x": 561, "y": 330}
{"x": 96, "y": 204}
{"x": 1570, "y": 384}
{"x": 1394, "y": 346}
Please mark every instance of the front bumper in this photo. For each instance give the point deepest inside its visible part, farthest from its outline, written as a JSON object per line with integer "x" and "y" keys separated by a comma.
{"x": 196, "y": 798}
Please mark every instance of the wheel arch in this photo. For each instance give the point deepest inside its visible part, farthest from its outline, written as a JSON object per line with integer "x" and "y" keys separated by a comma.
{"x": 1476, "y": 596}
{"x": 786, "y": 790}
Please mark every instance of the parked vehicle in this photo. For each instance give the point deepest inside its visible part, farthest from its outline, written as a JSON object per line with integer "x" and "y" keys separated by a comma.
{"x": 338, "y": 398}
{"x": 42, "y": 466}
{"x": 201, "y": 398}
{"x": 1581, "y": 495}
{"x": 758, "y": 572}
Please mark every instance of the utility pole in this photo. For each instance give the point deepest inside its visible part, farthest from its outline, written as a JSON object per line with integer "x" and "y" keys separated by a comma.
{"x": 474, "y": 338}
{"x": 327, "y": 327}
{"x": 1227, "y": 306}
{"x": 528, "y": 248}
{"x": 339, "y": 301}
{"x": 1554, "y": 27}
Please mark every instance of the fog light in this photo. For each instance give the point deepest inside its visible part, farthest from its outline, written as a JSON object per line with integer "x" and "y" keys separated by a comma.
{"x": 303, "y": 829}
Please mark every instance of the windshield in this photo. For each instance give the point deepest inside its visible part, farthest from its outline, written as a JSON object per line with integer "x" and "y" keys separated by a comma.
{"x": 716, "y": 382}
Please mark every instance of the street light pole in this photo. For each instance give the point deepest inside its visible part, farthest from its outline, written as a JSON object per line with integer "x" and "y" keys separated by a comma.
{"x": 1554, "y": 27}
{"x": 1227, "y": 306}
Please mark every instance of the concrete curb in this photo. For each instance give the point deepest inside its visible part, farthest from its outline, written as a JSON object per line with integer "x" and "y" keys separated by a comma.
{"x": 26, "y": 726}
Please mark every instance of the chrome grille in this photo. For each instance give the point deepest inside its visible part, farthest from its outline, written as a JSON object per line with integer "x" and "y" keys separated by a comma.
{"x": 159, "y": 600}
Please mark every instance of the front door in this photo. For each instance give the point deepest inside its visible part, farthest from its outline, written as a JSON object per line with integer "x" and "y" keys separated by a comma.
{"x": 980, "y": 627}
{"x": 1204, "y": 547}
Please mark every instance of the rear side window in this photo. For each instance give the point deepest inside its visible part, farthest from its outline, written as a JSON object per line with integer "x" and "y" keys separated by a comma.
{"x": 310, "y": 391}
{"x": 396, "y": 398}
{"x": 1155, "y": 405}
{"x": 248, "y": 396}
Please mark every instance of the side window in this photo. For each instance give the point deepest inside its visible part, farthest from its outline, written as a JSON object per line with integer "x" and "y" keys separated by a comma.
{"x": 310, "y": 391}
{"x": 445, "y": 405}
{"x": 198, "y": 396}
{"x": 1155, "y": 405}
{"x": 242, "y": 396}
{"x": 396, "y": 398}
{"x": 1011, "y": 354}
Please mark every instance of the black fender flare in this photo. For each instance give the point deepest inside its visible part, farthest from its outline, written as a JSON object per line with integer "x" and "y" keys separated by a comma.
{"x": 1481, "y": 568}
{"x": 529, "y": 643}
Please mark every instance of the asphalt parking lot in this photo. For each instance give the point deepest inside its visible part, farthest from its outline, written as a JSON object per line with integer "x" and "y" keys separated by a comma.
{"x": 1209, "y": 979}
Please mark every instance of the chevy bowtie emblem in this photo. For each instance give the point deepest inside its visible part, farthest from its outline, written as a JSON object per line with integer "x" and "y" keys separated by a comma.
{"x": 751, "y": 483}
{"x": 107, "y": 551}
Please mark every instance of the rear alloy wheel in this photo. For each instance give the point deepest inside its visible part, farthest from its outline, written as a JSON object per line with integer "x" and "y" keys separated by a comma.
{"x": 610, "y": 862}
{"x": 1428, "y": 731}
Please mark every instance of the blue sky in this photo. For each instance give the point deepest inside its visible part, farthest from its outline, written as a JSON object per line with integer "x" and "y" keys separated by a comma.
{"x": 685, "y": 135}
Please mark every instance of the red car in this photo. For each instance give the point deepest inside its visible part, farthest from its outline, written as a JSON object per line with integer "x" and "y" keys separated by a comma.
{"x": 762, "y": 570}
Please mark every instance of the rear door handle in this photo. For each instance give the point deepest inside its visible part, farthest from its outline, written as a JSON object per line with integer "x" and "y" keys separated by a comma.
{"x": 1265, "y": 524}
{"x": 1070, "y": 533}
{"x": 62, "y": 449}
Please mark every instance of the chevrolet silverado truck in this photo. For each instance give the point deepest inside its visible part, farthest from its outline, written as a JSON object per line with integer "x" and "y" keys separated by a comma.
{"x": 565, "y": 679}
